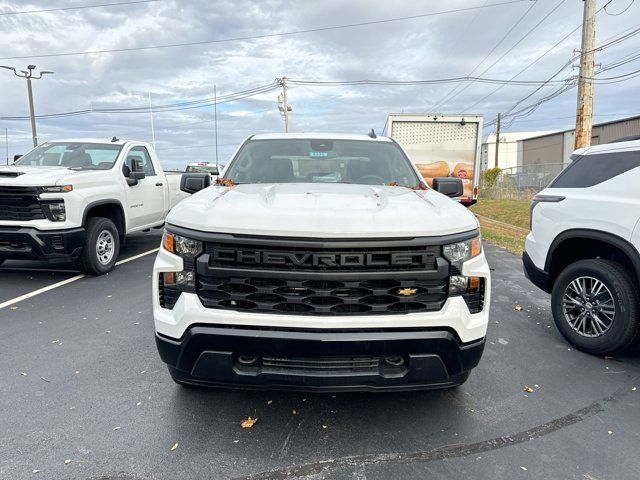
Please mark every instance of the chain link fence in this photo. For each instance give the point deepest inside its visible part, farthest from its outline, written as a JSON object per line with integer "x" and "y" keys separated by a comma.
{"x": 520, "y": 183}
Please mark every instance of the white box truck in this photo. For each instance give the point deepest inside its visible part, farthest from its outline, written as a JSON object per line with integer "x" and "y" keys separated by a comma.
{"x": 441, "y": 146}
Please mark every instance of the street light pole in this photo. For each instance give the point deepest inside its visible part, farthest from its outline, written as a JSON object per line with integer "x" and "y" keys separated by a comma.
{"x": 28, "y": 75}
{"x": 32, "y": 114}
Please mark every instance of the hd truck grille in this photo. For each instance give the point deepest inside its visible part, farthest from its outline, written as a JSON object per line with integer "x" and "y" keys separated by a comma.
{"x": 322, "y": 297}
{"x": 335, "y": 277}
{"x": 20, "y": 203}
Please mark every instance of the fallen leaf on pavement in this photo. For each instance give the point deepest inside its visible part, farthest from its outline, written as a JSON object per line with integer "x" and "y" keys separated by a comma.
{"x": 24, "y": 374}
{"x": 175, "y": 445}
{"x": 248, "y": 422}
{"x": 116, "y": 428}
{"x": 67, "y": 461}
{"x": 523, "y": 468}
{"x": 528, "y": 389}
{"x": 35, "y": 470}
{"x": 517, "y": 308}
{"x": 609, "y": 432}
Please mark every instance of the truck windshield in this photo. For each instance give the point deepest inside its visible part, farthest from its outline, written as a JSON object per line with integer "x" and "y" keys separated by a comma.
{"x": 212, "y": 170}
{"x": 322, "y": 161}
{"x": 78, "y": 156}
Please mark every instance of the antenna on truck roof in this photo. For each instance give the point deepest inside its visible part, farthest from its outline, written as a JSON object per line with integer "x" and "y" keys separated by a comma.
{"x": 114, "y": 139}
{"x": 372, "y": 134}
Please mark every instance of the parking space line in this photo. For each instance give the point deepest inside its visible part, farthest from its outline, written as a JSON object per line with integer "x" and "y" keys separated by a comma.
{"x": 26, "y": 296}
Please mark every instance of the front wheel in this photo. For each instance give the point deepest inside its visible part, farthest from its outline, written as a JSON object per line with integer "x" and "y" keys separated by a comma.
{"x": 101, "y": 246}
{"x": 595, "y": 306}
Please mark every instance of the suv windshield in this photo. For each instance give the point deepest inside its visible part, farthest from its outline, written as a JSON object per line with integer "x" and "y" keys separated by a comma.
{"x": 322, "y": 161}
{"x": 79, "y": 156}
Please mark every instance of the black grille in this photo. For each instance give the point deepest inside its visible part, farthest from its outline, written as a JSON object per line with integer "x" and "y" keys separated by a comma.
{"x": 401, "y": 277}
{"x": 475, "y": 300}
{"x": 168, "y": 294}
{"x": 321, "y": 364}
{"x": 321, "y": 297}
{"x": 20, "y": 203}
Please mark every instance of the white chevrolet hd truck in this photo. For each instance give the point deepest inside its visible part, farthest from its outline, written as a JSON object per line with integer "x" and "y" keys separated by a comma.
{"x": 321, "y": 261}
{"x": 80, "y": 198}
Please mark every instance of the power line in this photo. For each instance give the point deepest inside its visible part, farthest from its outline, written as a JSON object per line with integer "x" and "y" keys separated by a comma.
{"x": 80, "y": 7}
{"x": 164, "y": 108}
{"x": 620, "y": 13}
{"x": 516, "y": 44}
{"x": 266, "y": 35}
{"x": 608, "y": 42}
{"x": 504, "y": 37}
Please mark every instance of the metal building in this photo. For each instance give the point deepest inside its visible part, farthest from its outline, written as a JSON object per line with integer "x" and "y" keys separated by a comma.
{"x": 553, "y": 151}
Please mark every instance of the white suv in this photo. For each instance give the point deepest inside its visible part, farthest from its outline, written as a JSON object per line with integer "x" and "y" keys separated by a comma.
{"x": 583, "y": 247}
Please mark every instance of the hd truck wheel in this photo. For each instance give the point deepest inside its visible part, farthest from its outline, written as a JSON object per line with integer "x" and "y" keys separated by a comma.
{"x": 595, "y": 306}
{"x": 101, "y": 246}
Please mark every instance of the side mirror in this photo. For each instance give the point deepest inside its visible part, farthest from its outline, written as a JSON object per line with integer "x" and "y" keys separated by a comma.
{"x": 133, "y": 178}
{"x": 451, "y": 187}
{"x": 16, "y": 157}
{"x": 194, "y": 182}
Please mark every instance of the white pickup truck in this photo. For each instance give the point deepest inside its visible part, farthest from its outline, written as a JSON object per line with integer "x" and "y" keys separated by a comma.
{"x": 321, "y": 261}
{"x": 79, "y": 199}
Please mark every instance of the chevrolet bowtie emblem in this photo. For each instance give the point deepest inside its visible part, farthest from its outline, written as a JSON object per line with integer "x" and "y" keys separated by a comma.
{"x": 407, "y": 291}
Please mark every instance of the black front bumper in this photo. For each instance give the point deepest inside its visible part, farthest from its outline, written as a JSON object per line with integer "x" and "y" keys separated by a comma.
{"x": 23, "y": 243}
{"x": 326, "y": 360}
{"x": 538, "y": 277}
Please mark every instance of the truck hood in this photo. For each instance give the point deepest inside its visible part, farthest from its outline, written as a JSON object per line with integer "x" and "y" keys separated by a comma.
{"x": 28, "y": 176}
{"x": 322, "y": 211}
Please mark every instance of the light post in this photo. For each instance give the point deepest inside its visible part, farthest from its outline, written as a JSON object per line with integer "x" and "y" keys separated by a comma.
{"x": 29, "y": 74}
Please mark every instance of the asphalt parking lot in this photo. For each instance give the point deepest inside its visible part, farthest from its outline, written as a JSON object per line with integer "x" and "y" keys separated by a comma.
{"x": 85, "y": 396}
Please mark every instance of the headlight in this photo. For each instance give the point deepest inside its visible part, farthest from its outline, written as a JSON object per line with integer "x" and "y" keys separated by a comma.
{"x": 55, "y": 211}
{"x": 460, "y": 252}
{"x": 57, "y": 189}
{"x": 183, "y": 246}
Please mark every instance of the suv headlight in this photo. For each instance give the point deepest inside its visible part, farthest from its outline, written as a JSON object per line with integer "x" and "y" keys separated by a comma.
{"x": 183, "y": 246}
{"x": 459, "y": 252}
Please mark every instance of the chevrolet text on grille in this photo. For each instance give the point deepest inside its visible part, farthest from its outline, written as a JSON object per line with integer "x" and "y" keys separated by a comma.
{"x": 321, "y": 259}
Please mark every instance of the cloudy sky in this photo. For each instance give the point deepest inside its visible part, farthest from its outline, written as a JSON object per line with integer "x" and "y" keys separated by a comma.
{"x": 508, "y": 37}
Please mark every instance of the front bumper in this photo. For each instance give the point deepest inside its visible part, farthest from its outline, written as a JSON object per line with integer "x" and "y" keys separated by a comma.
{"x": 538, "y": 277}
{"x": 328, "y": 360}
{"x": 25, "y": 243}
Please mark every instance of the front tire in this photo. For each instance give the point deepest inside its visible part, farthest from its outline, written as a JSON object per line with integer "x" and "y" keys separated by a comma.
{"x": 595, "y": 306}
{"x": 101, "y": 246}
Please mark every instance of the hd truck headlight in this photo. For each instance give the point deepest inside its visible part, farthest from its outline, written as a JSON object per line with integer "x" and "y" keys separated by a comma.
{"x": 470, "y": 288}
{"x": 183, "y": 246}
{"x": 55, "y": 211}
{"x": 57, "y": 189}
{"x": 460, "y": 252}
{"x": 172, "y": 284}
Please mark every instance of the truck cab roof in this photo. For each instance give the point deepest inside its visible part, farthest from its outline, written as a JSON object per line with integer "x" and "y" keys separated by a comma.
{"x": 319, "y": 135}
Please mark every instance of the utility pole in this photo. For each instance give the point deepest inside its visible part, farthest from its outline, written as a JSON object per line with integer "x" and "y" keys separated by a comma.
{"x": 285, "y": 108}
{"x": 215, "y": 121}
{"x": 28, "y": 74}
{"x": 584, "y": 114}
{"x": 153, "y": 130}
{"x": 6, "y": 143}
{"x": 498, "y": 138}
